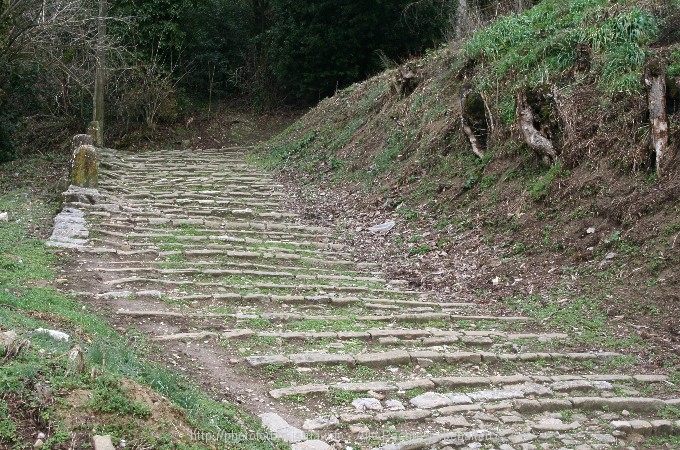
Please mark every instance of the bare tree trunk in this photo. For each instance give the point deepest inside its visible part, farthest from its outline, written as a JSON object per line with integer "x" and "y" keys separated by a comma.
{"x": 655, "y": 79}
{"x": 532, "y": 137}
{"x": 462, "y": 18}
{"x": 467, "y": 19}
{"x": 100, "y": 74}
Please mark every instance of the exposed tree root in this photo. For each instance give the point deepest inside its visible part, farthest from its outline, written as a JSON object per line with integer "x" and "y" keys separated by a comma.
{"x": 474, "y": 120}
{"x": 532, "y": 137}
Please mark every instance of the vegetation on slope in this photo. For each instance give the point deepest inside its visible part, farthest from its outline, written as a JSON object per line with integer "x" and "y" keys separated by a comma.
{"x": 594, "y": 219}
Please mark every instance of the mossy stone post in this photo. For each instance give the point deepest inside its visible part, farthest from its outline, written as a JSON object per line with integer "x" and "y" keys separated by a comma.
{"x": 85, "y": 167}
{"x": 78, "y": 140}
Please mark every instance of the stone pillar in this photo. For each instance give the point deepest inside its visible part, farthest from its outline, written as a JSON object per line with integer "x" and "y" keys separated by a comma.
{"x": 96, "y": 132}
{"x": 85, "y": 167}
{"x": 78, "y": 140}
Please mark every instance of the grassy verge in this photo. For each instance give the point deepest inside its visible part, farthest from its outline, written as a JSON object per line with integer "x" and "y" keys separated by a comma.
{"x": 97, "y": 382}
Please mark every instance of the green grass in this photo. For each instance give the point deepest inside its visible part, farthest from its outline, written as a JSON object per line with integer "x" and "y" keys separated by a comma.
{"x": 583, "y": 317}
{"x": 108, "y": 396}
{"x": 343, "y": 398}
{"x": 541, "y": 43}
{"x": 540, "y": 188}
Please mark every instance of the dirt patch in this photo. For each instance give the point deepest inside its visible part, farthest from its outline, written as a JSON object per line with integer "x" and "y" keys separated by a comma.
{"x": 160, "y": 416}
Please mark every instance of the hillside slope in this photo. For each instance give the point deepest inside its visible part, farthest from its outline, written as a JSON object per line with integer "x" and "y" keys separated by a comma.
{"x": 519, "y": 167}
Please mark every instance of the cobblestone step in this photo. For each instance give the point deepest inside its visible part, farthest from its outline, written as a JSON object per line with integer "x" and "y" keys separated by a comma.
{"x": 295, "y": 273}
{"x": 403, "y": 357}
{"x": 286, "y": 317}
{"x": 459, "y": 383}
{"x": 425, "y": 336}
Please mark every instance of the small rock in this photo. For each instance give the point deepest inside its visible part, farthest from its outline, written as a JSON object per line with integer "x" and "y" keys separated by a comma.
{"x": 102, "y": 443}
{"x": 610, "y": 255}
{"x": 430, "y": 400}
{"x": 376, "y": 395}
{"x": 555, "y": 425}
{"x": 38, "y": 444}
{"x": 359, "y": 429}
{"x": 321, "y": 422}
{"x": 590, "y": 230}
{"x": 383, "y": 227}
{"x": 54, "y": 334}
{"x": 311, "y": 445}
{"x": 453, "y": 421}
{"x": 604, "y": 438}
{"x": 370, "y": 404}
{"x": 394, "y": 405}
{"x": 4, "y": 217}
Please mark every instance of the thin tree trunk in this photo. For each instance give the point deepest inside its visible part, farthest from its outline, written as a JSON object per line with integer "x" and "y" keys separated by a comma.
{"x": 100, "y": 74}
{"x": 656, "y": 98}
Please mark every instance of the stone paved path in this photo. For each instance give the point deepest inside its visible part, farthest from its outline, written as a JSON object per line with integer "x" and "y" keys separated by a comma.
{"x": 194, "y": 250}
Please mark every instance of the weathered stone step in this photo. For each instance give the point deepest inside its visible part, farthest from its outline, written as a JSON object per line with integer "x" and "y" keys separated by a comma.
{"x": 216, "y": 285}
{"x": 286, "y": 317}
{"x": 645, "y": 427}
{"x": 555, "y": 383}
{"x": 211, "y": 245}
{"x": 167, "y": 214}
{"x": 203, "y": 234}
{"x": 403, "y": 357}
{"x": 245, "y": 278}
{"x": 143, "y": 197}
{"x": 230, "y": 242}
{"x": 225, "y": 263}
{"x": 209, "y": 226}
{"x": 150, "y": 198}
{"x": 321, "y": 256}
{"x": 201, "y": 247}
{"x": 239, "y": 203}
{"x": 343, "y": 301}
{"x": 196, "y": 271}
{"x": 430, "y": 337}
{"x": 631, "y": 404}
{"x": 186, "y": 180}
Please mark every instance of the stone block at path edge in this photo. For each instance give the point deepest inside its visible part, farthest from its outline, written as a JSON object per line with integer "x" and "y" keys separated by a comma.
{"x": 84, "y": 172}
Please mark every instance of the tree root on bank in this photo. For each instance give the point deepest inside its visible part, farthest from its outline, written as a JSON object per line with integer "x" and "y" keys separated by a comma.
{"x": 475, "y": 121}
{"x": 532, "y": 137}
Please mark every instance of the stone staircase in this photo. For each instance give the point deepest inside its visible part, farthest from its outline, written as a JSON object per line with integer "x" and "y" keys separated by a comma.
{"x": 194, "y": 251}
